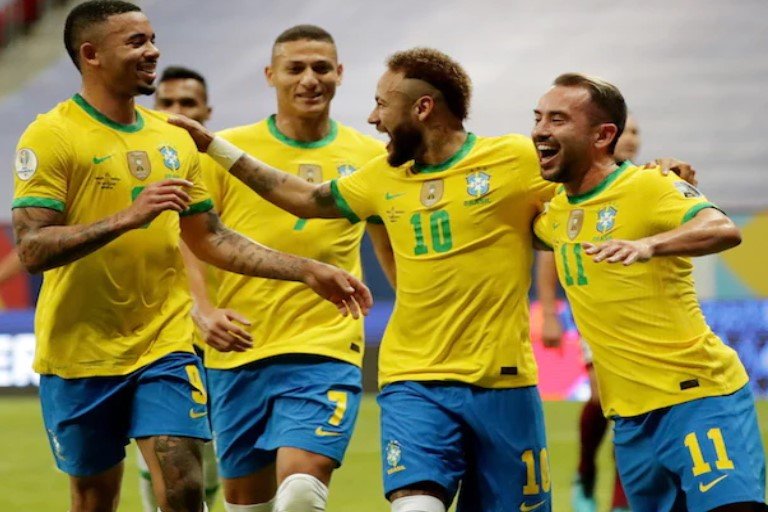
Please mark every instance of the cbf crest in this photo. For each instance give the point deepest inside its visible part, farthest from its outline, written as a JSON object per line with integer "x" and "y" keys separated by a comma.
{"x": 606, "y": 219}
{"x": 312, "y": 173}
{"x": 478, "y": 183}
{"x": 575, "y": 222}
{"x": 394, "y": 454}
{"x": 431, "y": 192}
{"x": 170, "y": 157}
{"x": 139, "y": 165}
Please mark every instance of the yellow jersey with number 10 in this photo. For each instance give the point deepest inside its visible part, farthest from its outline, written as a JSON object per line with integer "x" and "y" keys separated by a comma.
{"x": 126, "y": 304}
{"x": 651, "y": 345}
{"x": 287, "y": 317}
{"x": 461, "y": 234}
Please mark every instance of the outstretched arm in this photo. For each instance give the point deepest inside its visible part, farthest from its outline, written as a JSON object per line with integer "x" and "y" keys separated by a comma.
{"x": 218, "y": 245}
{"x": 546, "y": 289}
{"x": 45, "y": 242}
{"x": 289, "y": 192}
{"x": 710, "y": 231}
{"x": 382, "y": 246}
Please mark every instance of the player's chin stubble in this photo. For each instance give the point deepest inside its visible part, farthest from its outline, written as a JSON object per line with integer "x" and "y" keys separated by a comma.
{"x": 406, "y": 140}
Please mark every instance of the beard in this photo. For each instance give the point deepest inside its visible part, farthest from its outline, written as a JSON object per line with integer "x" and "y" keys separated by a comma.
{"x": 405, "y": 143}
{"x": 146, "y": 89}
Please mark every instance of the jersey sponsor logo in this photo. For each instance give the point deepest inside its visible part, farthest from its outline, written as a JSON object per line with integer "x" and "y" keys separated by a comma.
{"x": 394, "y": 453}
{"x": 25, "y": 163}
{"x": 431, "y": 192}
{"x": 478, "y": 183}
{"x": 606, "y": 219}
{"x": 320, "y": 431}
{"x": 575, "y": 222}
{"x": 312, "y": 173}
{"x": 706, "y": 487}
{"x": 170, "y": 157}
{"x": 345, "y": 169}
{"x": 525, "y": 507}
{"x": 197, "y": 414}
{"x": 688, "y": 190}
{"x": 139, "y": 165}
{"x": 390, "y": 196}
{"x": 100, "y": 159}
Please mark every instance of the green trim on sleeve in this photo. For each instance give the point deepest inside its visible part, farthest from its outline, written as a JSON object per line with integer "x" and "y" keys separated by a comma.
{"x": 374, "y": 219}
{"x": 98, "y": 116}
{"x": 38, "y": 202}
{"x": 342, "y": 204}
{"x": 691, "y": 213}
{"x": 201, "y": 207}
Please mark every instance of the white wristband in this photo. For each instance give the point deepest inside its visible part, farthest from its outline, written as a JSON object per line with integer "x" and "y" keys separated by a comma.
{"x": 224, "y": 152}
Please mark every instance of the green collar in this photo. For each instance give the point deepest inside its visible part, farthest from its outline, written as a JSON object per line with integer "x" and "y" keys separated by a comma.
{"x": 602, "y": 185}
{"x": 98, "y": 116}
{"x": 469, "y": 143}
{"x": 272, "y": 124}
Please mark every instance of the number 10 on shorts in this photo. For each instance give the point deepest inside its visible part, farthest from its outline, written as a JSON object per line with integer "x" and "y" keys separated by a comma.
{"x": 532, "y": 484}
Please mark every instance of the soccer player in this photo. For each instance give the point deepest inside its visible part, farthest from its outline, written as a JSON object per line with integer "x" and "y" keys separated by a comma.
{"x": 283, "y": 411}
{"x": 184, "y": 91}
{"x": 459, "y": 399}
{"x": 686, "y": 432}
{"x": 102, "y": 190}
{"x": 592, "y": 423}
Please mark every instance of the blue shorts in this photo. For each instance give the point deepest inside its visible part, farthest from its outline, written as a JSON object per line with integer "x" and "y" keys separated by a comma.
{"x": 302, "y": 402}
{"x": 90, "y": 420}
{"x": 490, "y": 440}
{"x": 695, "y": 456}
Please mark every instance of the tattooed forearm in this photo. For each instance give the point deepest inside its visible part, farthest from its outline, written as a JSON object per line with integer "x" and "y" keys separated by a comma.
{"x": 180, "y": 461}
{"x": 44, "y": 242}
{"x": 231, "y": 251}
{"x": 289, "y": 192}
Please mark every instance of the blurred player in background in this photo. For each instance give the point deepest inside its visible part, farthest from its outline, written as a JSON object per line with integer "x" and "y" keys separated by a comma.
{"x": 283, "y": 411}
{"x": 103, "y": 191}
{"x": 686, "y": 432}
{"x": 592, "y": 424}
{"x": 184, "y": 91}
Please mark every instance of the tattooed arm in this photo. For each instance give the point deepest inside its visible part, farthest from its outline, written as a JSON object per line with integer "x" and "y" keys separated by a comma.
{"x": 44, "y": 241}
{"x": 214, "y": 243}
{"x": 289, "y": 192}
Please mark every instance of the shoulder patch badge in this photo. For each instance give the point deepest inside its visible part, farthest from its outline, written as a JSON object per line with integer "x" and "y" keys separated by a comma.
{"x": 431, "y": 192}
{"x": 25, "y": 163}
{"x": 688, "y": 190}
{"x": 139, "y": 165}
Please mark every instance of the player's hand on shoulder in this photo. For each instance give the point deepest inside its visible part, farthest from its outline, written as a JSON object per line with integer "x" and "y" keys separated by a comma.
{"x": 165, "y": 195}
{"x": 199, "y": 133}
{"x": 684, "y": 170}
{"x": 348, "y": 293}
{"x": 223, "y": 330}
{"x": 626, "y": 252}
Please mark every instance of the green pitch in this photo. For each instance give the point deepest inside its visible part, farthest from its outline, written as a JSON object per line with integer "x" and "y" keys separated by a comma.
{"x": 31, "y": 482}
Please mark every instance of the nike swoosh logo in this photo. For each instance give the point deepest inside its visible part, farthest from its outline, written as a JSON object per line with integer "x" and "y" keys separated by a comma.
{"x": 524, "y": 507}
{"x": 97, "y": 160}
{"x": 555, "y": 225}
{"x": 197, "y": 414}
{"x": 325, "y": 433}
{"x": 388, "y": 196}
{"x": 705, "y": 487}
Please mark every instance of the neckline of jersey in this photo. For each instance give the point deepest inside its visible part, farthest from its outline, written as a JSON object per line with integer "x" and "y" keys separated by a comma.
{"x": 465, "y": 148}
{"x": 602, "y": 185}
{"x": 98, "y": 116}
{"x": 272, "y": 125}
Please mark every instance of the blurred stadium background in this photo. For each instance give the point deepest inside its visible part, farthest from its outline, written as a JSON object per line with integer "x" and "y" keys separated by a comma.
{"x": 694, "y": 73}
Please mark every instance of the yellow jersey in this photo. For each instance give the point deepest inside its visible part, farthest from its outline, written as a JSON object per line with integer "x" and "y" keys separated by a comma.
{"x": 288, "y": 317}
{"x": 461, "y": 234}
{"x": 652, "y": 347}
{"x": 126, "y": 304}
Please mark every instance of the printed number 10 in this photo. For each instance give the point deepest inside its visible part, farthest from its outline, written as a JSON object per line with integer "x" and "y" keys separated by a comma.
{"x": 440, "y": 231}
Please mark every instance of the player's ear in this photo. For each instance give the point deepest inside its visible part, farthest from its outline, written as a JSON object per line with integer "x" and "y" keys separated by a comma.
{"x": 268, "y": 75}
{"x": 606, "y": 133}
{"x": 423, "y": 107}
{"x": 88, "y": 54}
{"x": 339, "y": 74}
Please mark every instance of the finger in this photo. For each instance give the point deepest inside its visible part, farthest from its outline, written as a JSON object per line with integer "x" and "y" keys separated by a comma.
{"x": 590, "y": 248}
{"x": 353, "y": 307}
{"x": 240, "y": 332}
{"x": 606, "y": 251}
{"x": 631, "y": 258}
{"x": 173, "y": 182}
{"x": 171, "y": 196}
{"x": 342, "y": 307}
{"x": 620, "y": 255}
{"x": 234, "y": 315}
{"x": 363, "y": 298}
{"x": 180, "y": 121}
{"x": 343, "y": 281}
